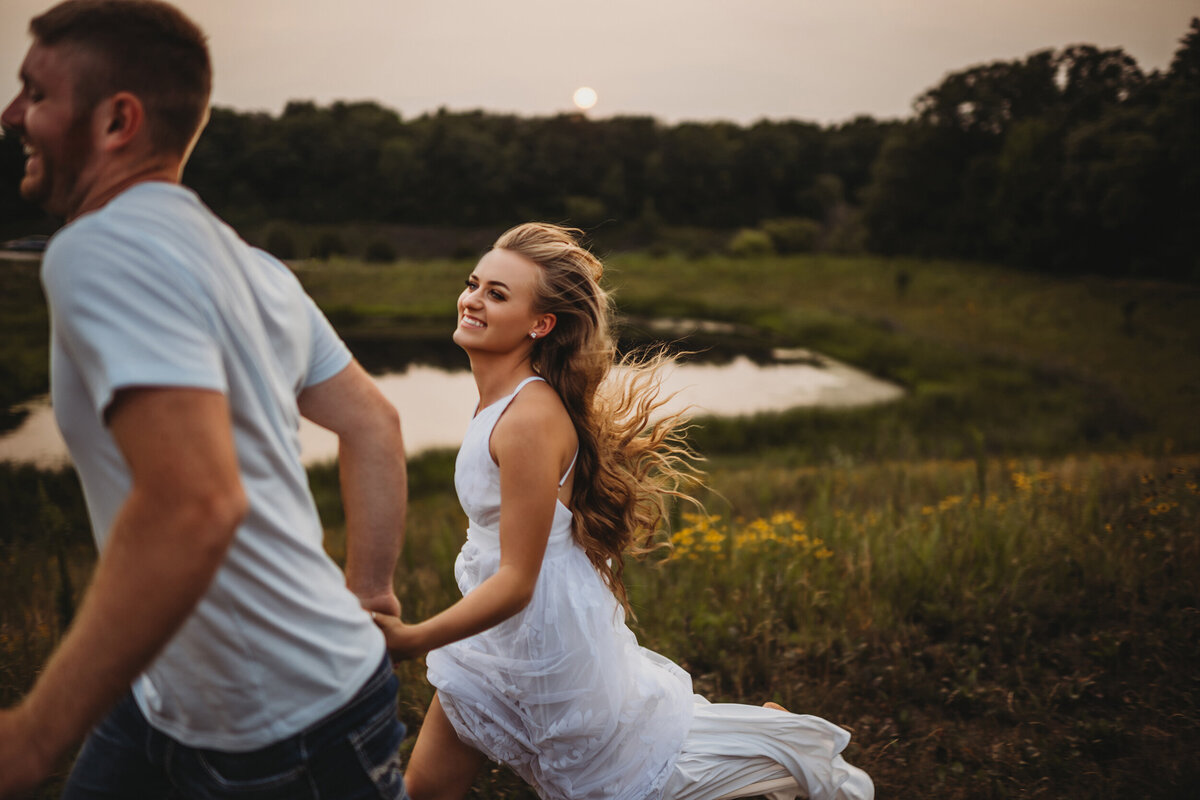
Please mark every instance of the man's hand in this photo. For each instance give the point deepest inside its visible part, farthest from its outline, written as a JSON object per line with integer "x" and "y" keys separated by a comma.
{"x": 387, "y": 604}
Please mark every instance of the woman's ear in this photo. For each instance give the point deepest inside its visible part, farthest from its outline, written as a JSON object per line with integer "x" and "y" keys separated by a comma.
{"x": 543, "y": 325}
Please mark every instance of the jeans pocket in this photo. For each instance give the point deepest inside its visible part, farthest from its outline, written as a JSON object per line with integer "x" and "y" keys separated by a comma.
{"x": 377, "y": 745}
{"x": 231, "y": 775}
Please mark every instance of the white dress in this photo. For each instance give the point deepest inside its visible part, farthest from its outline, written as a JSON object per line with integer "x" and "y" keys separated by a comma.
{"x": 564, "y": 695}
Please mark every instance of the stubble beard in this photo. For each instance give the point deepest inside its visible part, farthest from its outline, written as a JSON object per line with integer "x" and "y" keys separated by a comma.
{"x": 56, "y": 189}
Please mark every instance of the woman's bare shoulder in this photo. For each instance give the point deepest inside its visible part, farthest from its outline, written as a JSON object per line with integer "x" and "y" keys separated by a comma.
{"x": 536, "y": 414}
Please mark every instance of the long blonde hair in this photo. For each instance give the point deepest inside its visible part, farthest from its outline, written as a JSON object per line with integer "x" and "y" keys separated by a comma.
{"x": 628, "y": 464}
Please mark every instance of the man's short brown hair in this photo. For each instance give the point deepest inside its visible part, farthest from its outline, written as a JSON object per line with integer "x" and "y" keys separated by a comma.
{"x": 145, "y": 47}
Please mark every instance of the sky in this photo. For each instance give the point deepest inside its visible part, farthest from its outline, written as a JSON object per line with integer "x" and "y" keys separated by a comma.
{"x": 823, "y": 61}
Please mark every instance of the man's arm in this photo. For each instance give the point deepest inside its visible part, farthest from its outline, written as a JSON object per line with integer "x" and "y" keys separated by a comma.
{"x": 166, "y": 544}
{"x": 374, "y": 480}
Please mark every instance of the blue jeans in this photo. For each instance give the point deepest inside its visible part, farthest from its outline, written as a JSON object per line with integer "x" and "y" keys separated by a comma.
{"x": 353, "y": 754}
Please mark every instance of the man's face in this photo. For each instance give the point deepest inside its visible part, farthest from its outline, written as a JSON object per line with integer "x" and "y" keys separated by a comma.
{"x": 55, "y": 131}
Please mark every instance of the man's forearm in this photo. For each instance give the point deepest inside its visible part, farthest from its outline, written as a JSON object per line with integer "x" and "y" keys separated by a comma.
{"x": 373, "y": 478}
{"x": 375, "y": 497}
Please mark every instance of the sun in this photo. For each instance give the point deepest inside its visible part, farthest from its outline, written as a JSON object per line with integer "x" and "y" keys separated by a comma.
{"x": 585, "y": 97}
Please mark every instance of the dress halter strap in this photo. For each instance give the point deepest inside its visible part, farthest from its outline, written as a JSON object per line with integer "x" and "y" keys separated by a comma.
{"x": 521, "y": 385}
{"x": 570, "y": 467}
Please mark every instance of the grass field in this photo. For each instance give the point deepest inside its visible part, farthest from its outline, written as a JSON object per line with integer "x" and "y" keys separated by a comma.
{"x": 992, "y": 582}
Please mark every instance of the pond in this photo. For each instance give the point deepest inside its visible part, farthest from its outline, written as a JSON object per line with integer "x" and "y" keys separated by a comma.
{"x": 435, "y": 404}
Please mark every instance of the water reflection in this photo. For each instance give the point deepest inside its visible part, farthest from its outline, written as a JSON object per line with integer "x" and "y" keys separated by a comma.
{"x": 436, "y": 404}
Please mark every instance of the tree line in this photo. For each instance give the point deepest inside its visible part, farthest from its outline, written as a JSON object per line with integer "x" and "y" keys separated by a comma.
{"x": 1070, "y": 160}
{"x": 1067, "y": 161}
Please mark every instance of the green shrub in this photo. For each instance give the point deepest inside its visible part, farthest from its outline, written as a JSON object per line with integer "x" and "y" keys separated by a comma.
{"x": 847, "y": 233}
{"x": 793, "y": 234}
{"x": 751, "y": 243}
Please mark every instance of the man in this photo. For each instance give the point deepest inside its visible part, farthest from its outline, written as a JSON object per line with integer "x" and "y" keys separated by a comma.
{"x": 182, "y": 360}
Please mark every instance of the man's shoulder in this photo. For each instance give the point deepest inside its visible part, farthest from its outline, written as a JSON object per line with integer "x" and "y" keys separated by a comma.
{"x": 156, "y": 222}
{"x": 144, "y": 237}
{"x": 141, "y": 212}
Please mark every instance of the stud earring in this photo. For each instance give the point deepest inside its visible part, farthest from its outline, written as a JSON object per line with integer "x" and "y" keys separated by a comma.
{"x": 533, "y": 335}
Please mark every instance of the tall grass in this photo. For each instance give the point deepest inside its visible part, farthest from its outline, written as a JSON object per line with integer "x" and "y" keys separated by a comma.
{"x": 1020, "y": 627}
{"x": 1005, "y": 627}
{"x": 1016, "y": 628}
{"x": 1011, "y": 627}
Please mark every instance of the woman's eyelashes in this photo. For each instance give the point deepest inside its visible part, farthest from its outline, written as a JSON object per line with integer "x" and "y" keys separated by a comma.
{"x": 494, "y": 294}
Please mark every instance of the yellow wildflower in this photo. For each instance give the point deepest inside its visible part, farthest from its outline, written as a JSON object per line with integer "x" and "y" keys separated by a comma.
{"x": 949, "y": 502}
{"x": 783, "y": 518}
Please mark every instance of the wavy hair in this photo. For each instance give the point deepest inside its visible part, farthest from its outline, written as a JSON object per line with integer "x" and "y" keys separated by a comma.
{"x": 629, "y": 463}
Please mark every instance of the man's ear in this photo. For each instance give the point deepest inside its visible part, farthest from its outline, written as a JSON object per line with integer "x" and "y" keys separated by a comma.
{"x": 119, "y": 120}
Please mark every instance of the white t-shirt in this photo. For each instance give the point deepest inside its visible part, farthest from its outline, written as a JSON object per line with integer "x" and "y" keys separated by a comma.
{"x": 154, "y": 290}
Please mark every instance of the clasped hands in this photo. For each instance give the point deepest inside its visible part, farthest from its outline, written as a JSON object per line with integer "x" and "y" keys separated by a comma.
{"x": 397, "y": 636}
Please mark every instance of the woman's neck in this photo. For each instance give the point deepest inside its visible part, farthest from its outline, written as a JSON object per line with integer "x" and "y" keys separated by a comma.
{"x": 496, "y": 376}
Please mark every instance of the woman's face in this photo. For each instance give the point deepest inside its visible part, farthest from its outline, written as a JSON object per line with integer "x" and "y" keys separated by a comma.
{"x": 495, "y": 310}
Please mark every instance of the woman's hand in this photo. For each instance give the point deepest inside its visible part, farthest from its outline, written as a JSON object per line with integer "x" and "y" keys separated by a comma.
{"x": 401, "y": 640}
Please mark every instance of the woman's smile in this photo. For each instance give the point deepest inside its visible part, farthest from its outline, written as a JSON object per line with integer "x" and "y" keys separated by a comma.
{"x": 495, "y": 308}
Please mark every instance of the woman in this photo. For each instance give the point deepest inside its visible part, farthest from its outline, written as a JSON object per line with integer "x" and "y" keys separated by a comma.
{"x": 561, "y": 473}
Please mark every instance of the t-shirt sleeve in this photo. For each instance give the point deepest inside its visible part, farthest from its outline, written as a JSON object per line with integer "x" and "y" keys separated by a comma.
{"x": 127, "y": 317}
{"x": 329, "y": 354}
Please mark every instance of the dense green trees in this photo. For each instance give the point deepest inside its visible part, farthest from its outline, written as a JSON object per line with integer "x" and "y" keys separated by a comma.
{"x": 1067, "y": 161}
{"x": 361, "y": 162}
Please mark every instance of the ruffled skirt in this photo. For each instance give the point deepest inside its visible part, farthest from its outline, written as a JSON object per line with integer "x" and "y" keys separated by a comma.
{"x": 564, "y": 695}
{"x": 731, "y": 747}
